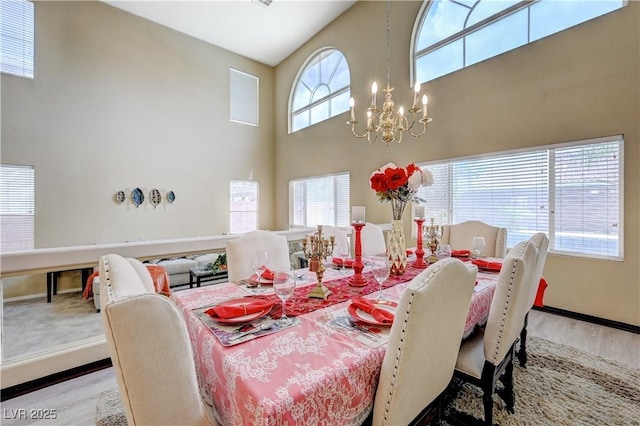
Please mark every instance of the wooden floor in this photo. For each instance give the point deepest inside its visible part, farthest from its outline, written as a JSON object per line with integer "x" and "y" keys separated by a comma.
{"x": 74, "y": 401}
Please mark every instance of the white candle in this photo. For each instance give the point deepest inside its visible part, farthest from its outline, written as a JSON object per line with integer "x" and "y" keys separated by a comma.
{"x": 419, "y": 213}
{"x": 425, "y": 101}
{"x": 357, "y": 214}
{"x": 352, "y": 104}
{"x": 415, "y": 94}
{"x": 401, "y": 111}
{"x": 374, "y": 91}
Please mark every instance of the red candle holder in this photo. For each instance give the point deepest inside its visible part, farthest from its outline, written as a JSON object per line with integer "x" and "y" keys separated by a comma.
{"x": 419, "y": 262}
{"x": 358, "y": 280}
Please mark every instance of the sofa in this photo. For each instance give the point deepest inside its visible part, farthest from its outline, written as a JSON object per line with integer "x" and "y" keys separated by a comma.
{"x": 178, "y": 267}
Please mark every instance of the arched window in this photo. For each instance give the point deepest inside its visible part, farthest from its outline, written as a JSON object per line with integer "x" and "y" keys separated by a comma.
{"x": 453, "y": 34}
{"x": 321, "y": 90}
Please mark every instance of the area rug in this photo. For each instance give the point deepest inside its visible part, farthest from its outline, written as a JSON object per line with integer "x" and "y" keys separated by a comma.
{"x": 110, "y": 411}
{"x": 563, "y": 386}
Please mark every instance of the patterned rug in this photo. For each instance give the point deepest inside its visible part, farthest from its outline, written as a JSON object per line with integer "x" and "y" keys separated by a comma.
{"x": 561, "y": 386}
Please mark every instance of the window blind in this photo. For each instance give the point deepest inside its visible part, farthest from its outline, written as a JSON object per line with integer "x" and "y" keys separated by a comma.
{"x": 16, "y": 37}
{"x": 17, "y": 207}
{"x": 243, "y": 206}
{"x": 572, "y": 192}
{"x": 320, "y": 200}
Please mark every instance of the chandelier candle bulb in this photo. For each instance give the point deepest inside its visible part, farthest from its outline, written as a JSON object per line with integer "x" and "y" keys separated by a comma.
{"x": 352, "y": 104}
{"x": 415, "y": 95}
{"x": 374, "y": 91}
{"x": 425, "y": 101}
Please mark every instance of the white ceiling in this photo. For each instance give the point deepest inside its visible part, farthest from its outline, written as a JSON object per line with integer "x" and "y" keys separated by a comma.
{"x": 265, "y": 34}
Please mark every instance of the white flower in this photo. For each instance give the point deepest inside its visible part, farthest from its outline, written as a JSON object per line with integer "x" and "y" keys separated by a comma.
{"x": 427, "y": 177}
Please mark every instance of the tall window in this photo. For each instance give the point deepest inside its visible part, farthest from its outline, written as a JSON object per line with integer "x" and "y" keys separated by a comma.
{"x": 572, "y": 192}
{"x": 454, "y": 34}
{"x": 17, "y": 207}
{"x": 243, "y": 206}
{"x": 320, "y": 91}
{"x": 320, "y": 200}
{"x": 16, "y": 37}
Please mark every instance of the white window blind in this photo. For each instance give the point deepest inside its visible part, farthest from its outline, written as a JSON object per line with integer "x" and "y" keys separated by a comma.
{"x": 243, "y": 206}
{"x": 17, "y": 207}
{"x": 572, "y": 192}
{"x": 16, "y": 37}
{"x": 320, "y": 200}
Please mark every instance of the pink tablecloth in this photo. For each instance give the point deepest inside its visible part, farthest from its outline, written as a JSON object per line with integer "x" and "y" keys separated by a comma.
{"x": 309, "y": 374}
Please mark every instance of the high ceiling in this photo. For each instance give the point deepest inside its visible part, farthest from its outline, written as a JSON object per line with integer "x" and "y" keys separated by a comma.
{"x": 267, "y": 34}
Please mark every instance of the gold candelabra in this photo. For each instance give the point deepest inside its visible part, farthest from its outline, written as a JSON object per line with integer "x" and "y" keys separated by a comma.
{"x": 433, "y": 236}
{"x": 316, "y": 249}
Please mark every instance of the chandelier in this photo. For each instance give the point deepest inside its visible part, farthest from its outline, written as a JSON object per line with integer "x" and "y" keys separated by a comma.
{"x": 389, "y": 124}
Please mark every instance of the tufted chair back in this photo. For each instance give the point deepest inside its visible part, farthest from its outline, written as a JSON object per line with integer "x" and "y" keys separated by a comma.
{"x": 459, "y": 237}
{"x": 372, "y": 238}
{"x": 423, "y": 341}
{"x": 150, "y": 348}
{"x": 241, "y": 250}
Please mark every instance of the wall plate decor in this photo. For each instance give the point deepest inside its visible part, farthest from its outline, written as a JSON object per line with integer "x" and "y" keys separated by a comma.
{"x": 119, "y": 197}
{"x": 171, "y": 197}
{"x": 155, "y": 197}
{"x": 137, "y": 196}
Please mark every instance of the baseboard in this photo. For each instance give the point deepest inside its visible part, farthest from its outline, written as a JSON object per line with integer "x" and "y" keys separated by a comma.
{"x": 589, "y": 318}
{"x": 43, "y": 382}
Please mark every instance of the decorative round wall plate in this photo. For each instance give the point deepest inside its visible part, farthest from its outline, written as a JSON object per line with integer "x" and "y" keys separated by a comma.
{"x": 137, "y": 196}
{"x": 171, "y": 197}
{"x": 120, "y": 197}
{"x": 155, "y": 197}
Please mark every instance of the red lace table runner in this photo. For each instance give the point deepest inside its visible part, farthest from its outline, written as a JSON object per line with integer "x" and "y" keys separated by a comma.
{"x": 300, "y": 302}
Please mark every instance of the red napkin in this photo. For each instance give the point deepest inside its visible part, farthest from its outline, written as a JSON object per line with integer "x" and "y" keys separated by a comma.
{"x": 460, "y": 253}
{"x": 268, "y": 274}
{"x": 409, "y": 252}
{"x": 347, "y": 262}
{"x": 237, "y": 310}
{"x": 369, "y": 306}
{"x": 486, "y": 264}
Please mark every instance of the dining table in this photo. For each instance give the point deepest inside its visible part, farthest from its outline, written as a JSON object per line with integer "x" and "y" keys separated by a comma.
{"x": 321, "y": 370}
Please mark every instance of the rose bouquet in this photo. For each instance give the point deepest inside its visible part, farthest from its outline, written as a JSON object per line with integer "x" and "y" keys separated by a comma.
{"x": 399, "y": 185}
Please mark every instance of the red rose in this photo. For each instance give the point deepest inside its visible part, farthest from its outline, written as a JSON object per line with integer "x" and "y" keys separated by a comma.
{"x": 379, "y": 182}
{"x": 396, "y": 177}
{"x": 411, "y": 169}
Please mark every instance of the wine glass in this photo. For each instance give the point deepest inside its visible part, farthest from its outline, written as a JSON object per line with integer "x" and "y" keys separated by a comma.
{"x": 380, "y": 267}
{"x": 284, "y": 283}
{"x": 343, "y": 257}
{"x": 444, "y": 251}
{"x": 477, "y": 245}
{"x": 259, "y": 265}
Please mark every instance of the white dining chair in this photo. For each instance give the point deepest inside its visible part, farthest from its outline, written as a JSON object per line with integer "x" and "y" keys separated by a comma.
{"x": 423, "y": 344}
{"x": 460, "y": 235}
{"x": 487, "y": 356}
{"x": 150, "y": 348}
{"x": 372, "y": 240}
{"x": 342, "y": 245}
{"x": 541, "y": 241}
{"x": 241, "y": 250}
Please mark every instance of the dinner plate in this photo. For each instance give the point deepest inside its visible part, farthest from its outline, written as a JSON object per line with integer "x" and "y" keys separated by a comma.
{"x": 243, "y": 318}
{"x": 360, "y": 315}
{"x": 254, "y": 278}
